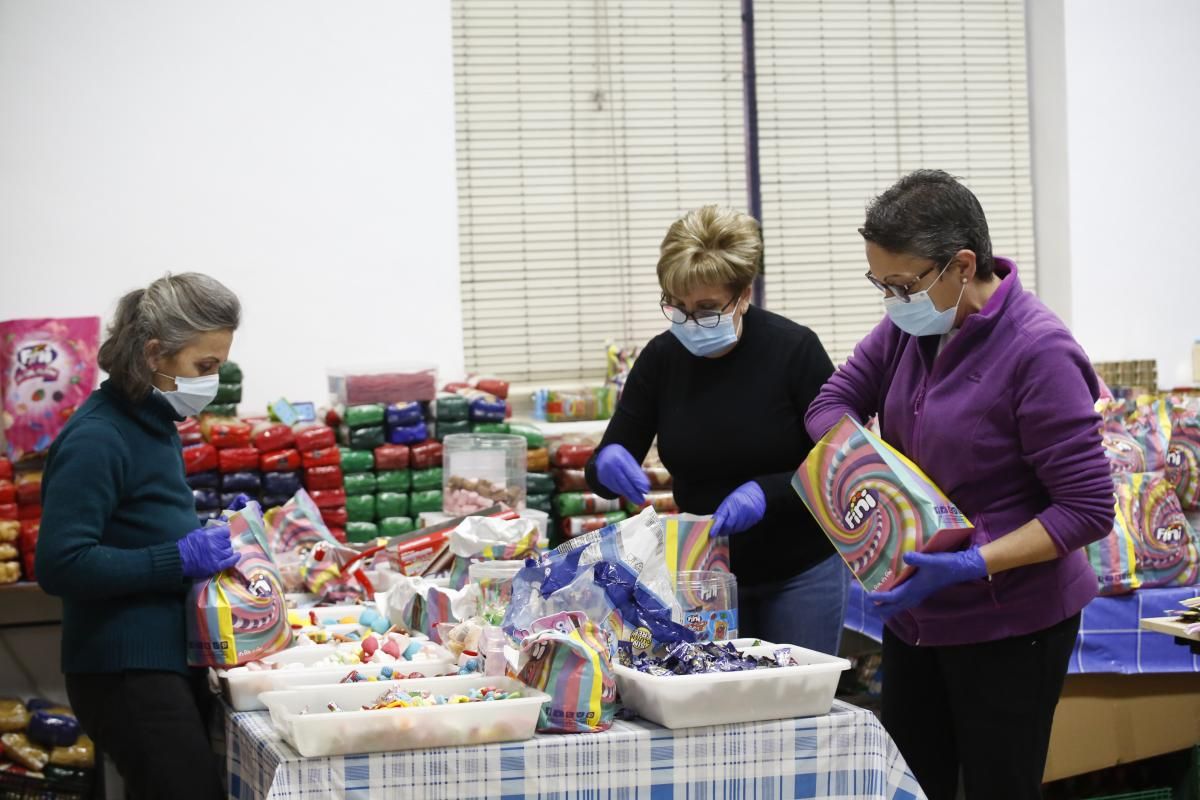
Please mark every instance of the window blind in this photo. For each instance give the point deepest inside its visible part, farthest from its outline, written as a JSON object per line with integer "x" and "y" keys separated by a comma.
{"x": 852, "y": 94}
{"x": 584, "y": 128}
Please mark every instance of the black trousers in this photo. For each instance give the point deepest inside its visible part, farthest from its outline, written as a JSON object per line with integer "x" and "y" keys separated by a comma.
{"x": 983, "y": 708}
{"x": 152, "y": 726}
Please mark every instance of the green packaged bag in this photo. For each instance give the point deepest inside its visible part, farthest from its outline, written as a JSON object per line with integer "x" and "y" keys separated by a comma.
{"x": 229, "y": 372}
{"x": 539, "y": 483}
{"x": 361, "y": 508}
{"x": 574, "y": 504}
{"x": 532, "y": 435}
{"x": 228, "y": 393}
{"x": 221, "y": 409}
{"x": 451, "y": 408}
{"x": 391, "y": 504}
{"x": 393, "y": 480}
{"x": 365, "y": 438}
{"x": 424, "y": 480}
{"x": 396, "y": 526}
{"x": 444, "y": 429}
{"x": 360, "y": 483}
{"x": 538, "y": 502}
{"x": 364, "y": 415}
{"x": 420, "y": 502}
{"x": 358, "y": 461}
{"x": 489, "y": 427}
{"x": 361, "y": 531}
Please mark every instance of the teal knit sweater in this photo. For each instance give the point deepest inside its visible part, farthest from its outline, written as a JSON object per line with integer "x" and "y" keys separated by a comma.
{"x": 115, "y": 503}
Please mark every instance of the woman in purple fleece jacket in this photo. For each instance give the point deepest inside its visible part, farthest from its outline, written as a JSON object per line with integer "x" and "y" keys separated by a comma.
{"x": 984, "y": 387}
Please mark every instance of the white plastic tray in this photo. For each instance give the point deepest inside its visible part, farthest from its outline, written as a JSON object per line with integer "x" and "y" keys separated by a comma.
{"x": 722, "y": 698}
{"x": 243, "y": 688}
{"x": 301, "y": 717}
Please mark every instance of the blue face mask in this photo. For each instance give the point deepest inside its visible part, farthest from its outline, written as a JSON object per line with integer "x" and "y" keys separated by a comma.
{"x": 919, "y": 316}
{"x": 701, "y": 341}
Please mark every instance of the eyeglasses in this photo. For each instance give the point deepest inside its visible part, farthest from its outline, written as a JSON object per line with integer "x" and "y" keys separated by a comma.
{"x": 903, "y": 290}
{"x": 705, "y": 318}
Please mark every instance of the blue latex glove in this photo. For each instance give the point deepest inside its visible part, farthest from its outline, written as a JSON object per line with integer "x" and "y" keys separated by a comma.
{"x": 207, "y": 551}
{"x": 620, "y": 473}
{"x": 742, "y": 509}
{"x": 935, "y": 571}
{"x": 239, "y": 503}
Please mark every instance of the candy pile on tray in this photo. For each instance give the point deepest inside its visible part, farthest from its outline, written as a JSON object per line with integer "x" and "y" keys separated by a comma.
{"x": 399, "y": 698}
{"x": 385, "y": 674}
{"x": 688, "y": 658}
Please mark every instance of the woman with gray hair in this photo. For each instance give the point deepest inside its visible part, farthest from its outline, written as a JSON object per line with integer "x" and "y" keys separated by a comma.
{"x": 121, "y": 543}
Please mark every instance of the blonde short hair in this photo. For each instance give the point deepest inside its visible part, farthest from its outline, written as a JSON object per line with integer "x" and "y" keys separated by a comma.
{"x": 711, "y": 246}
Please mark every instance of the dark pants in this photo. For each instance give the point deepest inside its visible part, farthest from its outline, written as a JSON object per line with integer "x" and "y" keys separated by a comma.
{"x": 152, "y": 726}
{"x": 986, "y": 708}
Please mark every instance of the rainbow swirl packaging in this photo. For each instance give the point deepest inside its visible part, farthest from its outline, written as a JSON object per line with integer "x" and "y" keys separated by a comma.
{"x": 239, "y": 615}
{"x": 571, "y": 660}
{"x": 1164, "y": 541}
{"x": 296, "y": 524}
{"x": 875, "y": 505}
{"x": 1183, "y": 457}
{"x": 690, "y": 548}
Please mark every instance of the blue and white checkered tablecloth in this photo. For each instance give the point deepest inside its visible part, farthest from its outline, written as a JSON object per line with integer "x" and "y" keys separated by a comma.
{"x": 845, "y": 754}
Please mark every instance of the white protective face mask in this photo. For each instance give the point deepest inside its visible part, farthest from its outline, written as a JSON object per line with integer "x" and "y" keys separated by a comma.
{"x": 191, "y": 395}
{"x": 919, "y": 316}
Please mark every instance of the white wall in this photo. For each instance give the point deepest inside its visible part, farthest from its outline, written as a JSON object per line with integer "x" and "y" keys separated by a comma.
{"x": 300, "y": 151}
{"x": 1132, "y": 167}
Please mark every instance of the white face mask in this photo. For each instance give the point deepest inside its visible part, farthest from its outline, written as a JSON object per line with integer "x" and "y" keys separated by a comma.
{"x": 919, "y": 316}
{"x": 191, "y": 395}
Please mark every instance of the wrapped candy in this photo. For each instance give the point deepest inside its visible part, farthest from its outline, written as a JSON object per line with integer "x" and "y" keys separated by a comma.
{"x": 271, "y": 436}
{"x": 225, "y": 432}
{"x": 362, "y": 416}
{"x": 396, "y": 480}
{"x": 314, "y": 436}
{"x": 200, "y": 458}
{"x": 571, "y": 454}
{"x": 237, "y": 459}
{"x": 875, "y": 505}
{"x": 426, "y": 455}
{"x": 407, "y": 434}
{"x": 322, "y": 457}
{"x": 328, "y": 477}
{"x": 280, "y": 461}
{"x": 360, "y": 483}
{"x": 360, "y": 509}
{"x": 205, "y": 480}
{"x": 357, "y": 461}
{"x": 392, "y": 456}
{"x": 403, "y": 415}
{"x": 247, "y": 482}
{"x": 282, "y": 483}
{"x": 329, "y": 498}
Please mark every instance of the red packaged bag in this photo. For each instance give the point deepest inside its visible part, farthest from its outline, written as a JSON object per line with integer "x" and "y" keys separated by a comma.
{"x": 329, "y": 498}
{"x": 200, "y": 458}
{"x": 324, "y": 457}
{"x": 338, "y": 533}
{"x": 27, "y": 544}
{"x": 571, "y": 455}
{"x": 6, "y": 470}
{"x": 8, "y": 511}
{"x": 328, "y": 477}
{"x": 189, "y": 431}
{"x": 426, "y": 455}
{"x": 238, "y": 459}
{"x": 571, "y": 480}
{"x": 225, "y": 432}
{"x": 336, "y": 517}
{"x": 8, "y": 492}
{"x": 391, "y": 456}
{"x": 29, "y": 489}
{"x": 280, "y": 461}
{"x": 32, "y": 511}
{"x": 314, "y": 436}
{"x": 271, "y": 436}
{"x": 493, "y": 386}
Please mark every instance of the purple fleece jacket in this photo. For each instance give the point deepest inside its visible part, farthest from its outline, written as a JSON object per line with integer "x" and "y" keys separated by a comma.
{"x": 1003, "y": 420}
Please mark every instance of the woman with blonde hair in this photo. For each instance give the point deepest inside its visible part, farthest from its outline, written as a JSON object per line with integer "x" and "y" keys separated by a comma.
{"x": 725, "y": 389}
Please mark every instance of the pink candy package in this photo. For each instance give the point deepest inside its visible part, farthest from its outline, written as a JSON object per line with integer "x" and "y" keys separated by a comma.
{"x": 47, "y": 369}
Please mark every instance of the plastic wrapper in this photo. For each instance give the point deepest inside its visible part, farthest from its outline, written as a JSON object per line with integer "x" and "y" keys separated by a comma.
{"x": 230, "y": 372}
{"x": 573, "y": 504}
{"x": 237, "y": 459}
{"x": 314, "y": 436}
{"x": 1165, "y": 544}
{"x": 363, "y": 416}
{"x": 477, "y": 539}
{"x": 392, "y": 456}
{"x": 426, "y": 455}
{"x": 1183, "y": 457}
{"x": 360, "y": 509}
{"x": 570, "y": 480}
{"x": 538, "y": 460}
{"x": 239, "y": 615}
{"x": 396, "y": 526}
{"x": 539, "y": 502}
{"x": 363, "y": 438}
{"x": 228, "y": 393}
{"x": 445, "y": 429}
{"x": 419, "y": 605}
{"x": 407, "y": 383}
{"x": 360, "y": 483}
{"x": 403, "y": 415}
{"x": 395, "y": 480}
{"x": 200, "y": 458}
{"x": 875, "y": 505}
{"x": 391, "y": 504}
{"x": 532, "y": 435}
{"x": 451, "y": 408}
{"x": 338, "y": 573}
{"x": 189, "y": 432}
{"x": 328, "y": 477}
{"x": 80, "y": 755}
{"x": 225, "y": 432}
{"x": 421, "y": 502}
{"x": 323, "y": 457}
{"x": 577, "y": 526}
{"x": 336, "y": 517}
{"x": 570, "y": 454}
{"x": 207, "y": 499}
{"x": 489, "y": 427}
{"x": 295, "y": 524}
{"x": 47, "y": 370}
{"x": 222, "y": 410}
{"x": 271, "y": 436}
{"x": 282, "y": 483}
{"x": 288, "y": 460}
{"x": 358, "y": 532}
{"x": 408, "y": 434}
{"x": 426, "y": 479}
{"x": 23, "y": 752}
{"x": 554, "y": 405}
{"x": 575, "y": 667}
{"x": 662, "y": 501}
{"x": 51, "y": 730}
{"x": 357, "y": 461}
{"x": 328, "y": 498}
{"x": 247, "y": 482}
{"x": 539, "y": 483}
{"x": 8, "y": 492}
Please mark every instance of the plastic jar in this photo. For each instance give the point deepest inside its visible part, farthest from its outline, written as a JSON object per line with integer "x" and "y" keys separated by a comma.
{"x": 481, "y": 470}
{"x": 709, "y": 601}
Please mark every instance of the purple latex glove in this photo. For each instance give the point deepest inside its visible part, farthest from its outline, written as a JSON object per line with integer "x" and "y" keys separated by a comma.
{"x": 742, "y": 509}
{"x": 935, "y": 571}
{"x": 238, "y": 503}
{"x": 620, "y": 473}
{"x": 207, "y": 551}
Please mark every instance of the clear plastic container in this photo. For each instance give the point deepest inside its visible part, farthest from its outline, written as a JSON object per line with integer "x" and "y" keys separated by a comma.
{"x": 495, "y": 579}
{"x": 709, "y": 602}
{"x": 481, "y": 470}
{"x": 723, "y": 698}
{"x": 302, "y": 718}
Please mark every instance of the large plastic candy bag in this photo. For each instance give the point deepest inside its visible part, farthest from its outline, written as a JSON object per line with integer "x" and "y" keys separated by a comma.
{"x": 490, "y": 539}
{"x": 297, "y": 524}
{"x": 1183, "y": 457}
{"x": 239, "y": 615}
{"x": 1114, "y": 558}
{"x": 1166, "y": 544}
{"x": 47, "y": 369}
{"x": 571, "y": 662}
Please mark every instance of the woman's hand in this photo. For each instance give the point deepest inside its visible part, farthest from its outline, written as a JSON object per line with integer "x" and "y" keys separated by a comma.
{"x": 619, "y": 472}
{"x": 934, "y": 572}
{"x": 207, "y": 551}
{"x": 743, "y": 508}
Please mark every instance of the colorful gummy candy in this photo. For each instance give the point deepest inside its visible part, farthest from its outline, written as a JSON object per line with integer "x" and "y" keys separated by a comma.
{"x": 688, "y": 658}
{"x": 399, "y": 698}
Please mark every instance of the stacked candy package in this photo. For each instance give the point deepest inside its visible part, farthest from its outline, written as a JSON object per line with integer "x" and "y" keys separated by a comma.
{"x": 321, "y": 461}
{"x": 575, "y": 508}
{"x": 570, "y": 658}
{"x": 875, "y": 505}
{"x": 44, "y": 743}
{"x": 229, "y": 391}
{"x": 1183, "y": 457}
